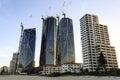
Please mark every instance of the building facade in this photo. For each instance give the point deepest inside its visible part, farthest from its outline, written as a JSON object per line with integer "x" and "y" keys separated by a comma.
{"x": 13, "y": 63}
{"x": 65, "y": 41}
{"x": 27, "y": 49}
{"x": 95, "y": 39}
{"x": 71, "y": 67}
{"x": 50, "y": 68}
{"x": 48, "y": 43}
{"x": 66, "y": 67}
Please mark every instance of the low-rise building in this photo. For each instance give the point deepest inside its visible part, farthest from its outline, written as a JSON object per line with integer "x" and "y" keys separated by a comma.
{"x": 50, "y": 68}
{"x": 71, "y": 67}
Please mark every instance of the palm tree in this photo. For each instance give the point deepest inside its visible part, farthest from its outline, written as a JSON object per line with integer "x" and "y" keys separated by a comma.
{"x": 101, "y": 62}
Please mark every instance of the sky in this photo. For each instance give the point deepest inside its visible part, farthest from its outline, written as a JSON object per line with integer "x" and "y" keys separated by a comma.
{"x": 29, "y": 12}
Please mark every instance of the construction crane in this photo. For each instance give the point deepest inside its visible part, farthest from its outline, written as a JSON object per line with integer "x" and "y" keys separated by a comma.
{"x": 48, "y": 10}
{"x": 42, "y": 18}
{"x": 68, "y": 5}
{"x": 61, "y": 9}
{"x": 17, "y": 60}
{"x": 26, "y": 20}
{"x": 64, "y": 14}
{"x": 57, "y": 17}
{"x": 65, "y": 6}
{"x": 22, "y": 27}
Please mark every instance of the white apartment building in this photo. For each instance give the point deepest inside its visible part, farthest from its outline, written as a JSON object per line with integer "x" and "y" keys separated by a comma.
{"x": 71, "y": 67}
{"x": 95, "y": 39}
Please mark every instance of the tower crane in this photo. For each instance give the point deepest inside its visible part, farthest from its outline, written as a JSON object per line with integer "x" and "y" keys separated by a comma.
{"x": 42, "y": 18}
{"x": 48, "y": 10}
{"x": 57, "y": 17}
{"x": 22, "y": 27}
{"x": 68, "y": 6}
{"x": 64, "y": 14}
{"x": 26, "y": 21}
{"x": 63, "y": 10}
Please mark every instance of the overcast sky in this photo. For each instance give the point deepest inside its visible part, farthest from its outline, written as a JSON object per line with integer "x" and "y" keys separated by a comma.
{"x": 13, "y": 12}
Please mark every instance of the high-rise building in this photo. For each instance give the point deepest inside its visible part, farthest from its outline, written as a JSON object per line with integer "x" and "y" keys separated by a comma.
{"x": 65, "y": 41}
{"x": 27, "y": 49}
{"x": 48, "y": 43}
{"x": 13, "y": 63}
{"x": 95, "y": 39}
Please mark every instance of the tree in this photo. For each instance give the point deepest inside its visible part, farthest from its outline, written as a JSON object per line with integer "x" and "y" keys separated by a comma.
{"x": 3, "y": 71}
{"x": 101, "y": 62}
